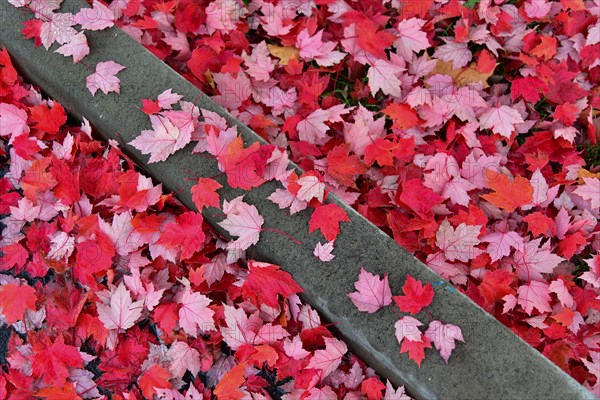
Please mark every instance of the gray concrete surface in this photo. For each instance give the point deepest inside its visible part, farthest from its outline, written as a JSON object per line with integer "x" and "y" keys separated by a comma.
{"x": 492, "y": 364}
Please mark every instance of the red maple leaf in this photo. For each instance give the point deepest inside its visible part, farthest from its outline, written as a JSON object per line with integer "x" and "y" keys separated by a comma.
{"x": 93, "y": 256}
{"x": 52, "y": 360}
{"x": 186, "y": 233}
{"x": 49, "y": 119}
{"x": 343, "y": 167}
{"x": 327, "y": 218}
{"x": 496, "y": 285}
{"x": 265, "y": 282}
{"x": 204, "y": 193}
{"x": 372, "y": 388}
{"x": 14, "y": 300}
{"x": 416, "y": 296}
{"x": 416, "y": 350}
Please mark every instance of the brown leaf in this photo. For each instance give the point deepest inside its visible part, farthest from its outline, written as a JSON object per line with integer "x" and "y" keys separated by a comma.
{"x": 284, "y": 53}
{"x": 462, "y": 76}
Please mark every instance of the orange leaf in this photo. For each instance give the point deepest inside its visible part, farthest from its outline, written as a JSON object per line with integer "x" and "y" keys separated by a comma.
{"x": 155, "y": 377}
{"x": 228, "y": 387}
{"x": 403, "y": 115}
{"x": 508, "y": 195}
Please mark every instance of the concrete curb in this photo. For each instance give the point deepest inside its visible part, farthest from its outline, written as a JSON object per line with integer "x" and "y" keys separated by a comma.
{"x": 492, "y": 364}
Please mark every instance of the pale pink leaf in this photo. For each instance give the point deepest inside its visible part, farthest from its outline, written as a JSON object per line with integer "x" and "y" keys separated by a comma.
{"x": 57, "y": 28}
{"x": 330, "y": 358}
{"x": 313, "y": 128}
{"x": 456, "y": 52}
{"x": 284, "y": 199}
{"x": 562, "y": 292}
{"x": 590, "y": 191}
{"x": 500, "y": 243}
{"x": 13, "y": 120}
{"x": 77, "y": 48}
{"x": 242, "y": 220}
{"x": 372, "y": 292}
{"x": 458, "y": 244}
{"x": 407, "y": 327}
{"x": 537, "y": 9}
{"x": 310, "y": 188}
{"x": 164, "y": 139}
{"x": 96, "y": 18}
{"x": 183, "y": 358}
{"x": 167, "y": 98}
{"x": 104, "y": 78}
{"x": 500, "y": 120}
{"x": 294, "y": 348}
{"x": 535, "y": 260}
{"x": 313, "y": 48}
{"x": 323, "y": 251}
{"x": 194, "y": 313}
{"x": 411, "y": 38}
{"x": 121, "y": 312}
{"x": 385, "y": 76}
{"x": 233, "y": 91}
{"x": 535, "y": 294}
{"x": 444, "y": 337}
{"x": 259, "y": 65}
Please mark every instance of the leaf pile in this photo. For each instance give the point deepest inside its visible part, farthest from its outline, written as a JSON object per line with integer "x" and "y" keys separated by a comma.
{"x": 112, "y": 289}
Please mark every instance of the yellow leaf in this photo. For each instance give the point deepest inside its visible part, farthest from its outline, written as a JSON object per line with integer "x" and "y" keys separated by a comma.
{"x": 284, "y": 53}
{"x": 584, "y": 173}
{"x": 462, "y": 76}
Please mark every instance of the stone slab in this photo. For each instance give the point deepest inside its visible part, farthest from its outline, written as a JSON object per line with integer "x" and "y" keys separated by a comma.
{"x": 493, "y": 364}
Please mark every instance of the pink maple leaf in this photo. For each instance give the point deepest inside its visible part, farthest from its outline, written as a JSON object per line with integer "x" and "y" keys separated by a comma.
{"x": 194, "y": 313}
{"x": 241, "y": 329}
{"x": 233, "y": 91}
{"x": 456, "y": 52}
{"x": 444, "y": 337}
{"x": 323, "y": 251}
{"x": 183, "y": 358}
{"x": 411, "y": 38}
{"x": 372, "y": 292}
{"x": 104, "y": 78}
{"x": 458, "y": 244}
{"x": 313, "y": 48}
{"x": 562, "y": 292}
{"x": 408, "y": 328}
{"x": 284, "y": 199}
{"x": 77, "y": 48}
{"x": 164, "y": 139}
{"x": 330, "y": 358}
{"x": 58, "y": 28}
{"x": 13, "y": 120}
{"x": 259, "y": 64}
{"x": 534, "y": 260}
{"x": 385, "y": 76}
{"x": 167, "y": 98}
{"x": 310, "y": 188}
{"x": 535, "y": 294}
{"x": 537, "y": 9}
{"x": 96, "y": 18}
{"x": 313, "y": 128}
{"x": 364, "y": 131}
{"x": 500, "y": 242}
{"x": 120, "y": 312}
{"x": 242, "y": 220}
{"x": 590, "y": 192}
{"x": 500, "y": 120}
